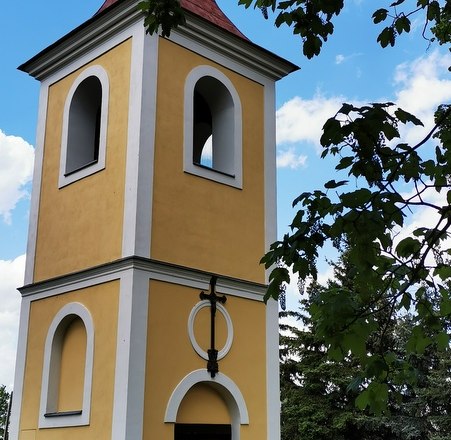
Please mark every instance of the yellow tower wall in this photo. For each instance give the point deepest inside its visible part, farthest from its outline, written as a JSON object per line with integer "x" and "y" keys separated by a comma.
{"x": 80, "y": 225}
{"x": 102, "y": 303}
{"x": 197, "y": 222}
{"x": 170, "y": 356}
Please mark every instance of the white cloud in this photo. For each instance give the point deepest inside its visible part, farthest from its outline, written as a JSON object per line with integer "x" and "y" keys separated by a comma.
{"x": 11, "y": 274}
{"x": 302, "y": 120}
{"x": 420, "y": 86}
{"x": 290, "y": 159}
{"x": 16, "y": 168}
{"x": 339, "y": 59}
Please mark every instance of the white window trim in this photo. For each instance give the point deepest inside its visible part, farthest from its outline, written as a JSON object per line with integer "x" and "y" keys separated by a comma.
{"x": 225, "y": 386}
{"x": 193, "y": 77}
{"x": 100, "y": 73}
{"x": 51, "y": 355}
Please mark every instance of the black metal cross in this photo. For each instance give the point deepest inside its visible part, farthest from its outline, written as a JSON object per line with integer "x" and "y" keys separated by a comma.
{"x": 212, "y": 364}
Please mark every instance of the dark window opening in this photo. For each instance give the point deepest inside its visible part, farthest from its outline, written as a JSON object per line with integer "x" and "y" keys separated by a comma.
{"x": 202, "y": 132}
{"x": 188, "y": 431}
{"x": 83, "y": 137}
{"x": 213, "y": 126}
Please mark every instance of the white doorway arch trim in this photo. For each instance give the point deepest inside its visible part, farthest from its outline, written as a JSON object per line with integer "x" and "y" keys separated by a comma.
{"x": 225, "y": 386}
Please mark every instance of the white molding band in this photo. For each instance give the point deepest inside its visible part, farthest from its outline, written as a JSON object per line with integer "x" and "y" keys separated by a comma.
{"x": 36, "y": 186}
{"x": 154, "y": 271}
{"x": 138, "y": 196}
{"x": 19, "y": 373}
{"x": 223, "y": 385}
{"x": 272, "y": 370}
{"x": 226, "y": 49}
{"x": 192, "y": 337}
{"x": 272, "y": 307}
{"x": 51, "y": 369}
{"x": 131, "y": 349}
{"x": 100, "y": 73}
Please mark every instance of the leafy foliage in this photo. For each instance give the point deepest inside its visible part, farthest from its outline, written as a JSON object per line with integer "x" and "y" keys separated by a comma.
{"x": 164, "y": 14}
{"x": 382, "y": 181}
{"x": 4, "y": 402}
{"x": 390, "y": 271}
{"x": 319, "y": 393}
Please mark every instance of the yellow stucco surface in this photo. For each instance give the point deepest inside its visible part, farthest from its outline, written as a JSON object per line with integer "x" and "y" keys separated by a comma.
{"x": 80, "y": 225}
{"x": 72, "y": 373}
{"x": 198, "y": 398}
{"x": 170, "y": 357}
{"x": 198, "y": 222}
{"x": 102, "y": 303}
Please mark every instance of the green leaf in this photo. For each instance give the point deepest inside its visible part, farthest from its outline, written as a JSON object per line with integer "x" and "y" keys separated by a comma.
{"x": 433, "y": 11}
{"x": 331, "y": 184}
{"x": 363, "y": 400}
{"x": 405, "y": 117}
{"x": 380, "y": 15}
{"x": 445, "y": 304}
{"x": 443, "y": 271}
{"x": 386, "y": 37}
{"x": 345, "y": 162}
{"x": 402, "y": 24}
{"x": 356, "y": 198}
{"x": 406, "y": 301}
{"x": 408, "y": 247}
{"x": 442, "y": 340}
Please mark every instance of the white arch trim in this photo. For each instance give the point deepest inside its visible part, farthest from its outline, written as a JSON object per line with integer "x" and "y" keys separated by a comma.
{"x": 222, "y": 384}
{"x": 100, "y": 73}
{"x": 50, "y": 370}
{"x": 190, "y": 83}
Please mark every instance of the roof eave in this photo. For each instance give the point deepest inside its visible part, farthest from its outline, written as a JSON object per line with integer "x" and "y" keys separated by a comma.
{"x": 119, "y": 15}
{"x": 243, "y": 51}
{"x": 81, "y": 39}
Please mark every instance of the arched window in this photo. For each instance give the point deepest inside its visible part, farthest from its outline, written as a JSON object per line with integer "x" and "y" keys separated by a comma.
{"x": 225, "y": 387}
{"x": 67, "y": 369}
{"x": 84, "y": 126}
{"x": 213, "y": 127}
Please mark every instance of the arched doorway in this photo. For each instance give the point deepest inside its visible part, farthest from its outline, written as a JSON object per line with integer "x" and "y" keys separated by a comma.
{"x": 234, "y": 408}
{"x": 196, "y": 431}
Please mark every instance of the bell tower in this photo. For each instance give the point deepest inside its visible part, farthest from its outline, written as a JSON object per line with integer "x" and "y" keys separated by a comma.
{"x": 153, "y": 201}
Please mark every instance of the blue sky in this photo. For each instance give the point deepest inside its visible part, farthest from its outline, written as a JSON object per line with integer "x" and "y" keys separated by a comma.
{"x": 351, "y": 68}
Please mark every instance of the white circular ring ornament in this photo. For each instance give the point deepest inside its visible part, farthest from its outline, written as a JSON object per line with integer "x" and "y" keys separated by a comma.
{"x": 192, "y": 317}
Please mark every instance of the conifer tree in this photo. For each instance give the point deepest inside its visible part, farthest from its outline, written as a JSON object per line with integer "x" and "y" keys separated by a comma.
{"x": 4, "y": 404}
{"x": 317, "y": 400}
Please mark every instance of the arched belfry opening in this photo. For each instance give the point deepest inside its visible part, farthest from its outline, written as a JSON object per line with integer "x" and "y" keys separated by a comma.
{"x": 214, "y": 126}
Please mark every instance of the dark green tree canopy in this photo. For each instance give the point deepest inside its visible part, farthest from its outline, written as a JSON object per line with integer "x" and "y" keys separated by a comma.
{"x": 365, "y": 208}
{"x": 4, "y": 406}
{"x": 318, "y": 394}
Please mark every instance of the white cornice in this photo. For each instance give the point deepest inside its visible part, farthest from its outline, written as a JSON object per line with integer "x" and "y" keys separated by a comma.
{"x": 105, "y": 25}
{"x": 236, "y": 48}
{"x": 155, "y": 270}
{"x": 81, "y": 40}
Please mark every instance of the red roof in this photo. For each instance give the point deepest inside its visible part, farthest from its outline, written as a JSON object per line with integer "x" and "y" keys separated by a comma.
{"x": 207, "y": 9}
